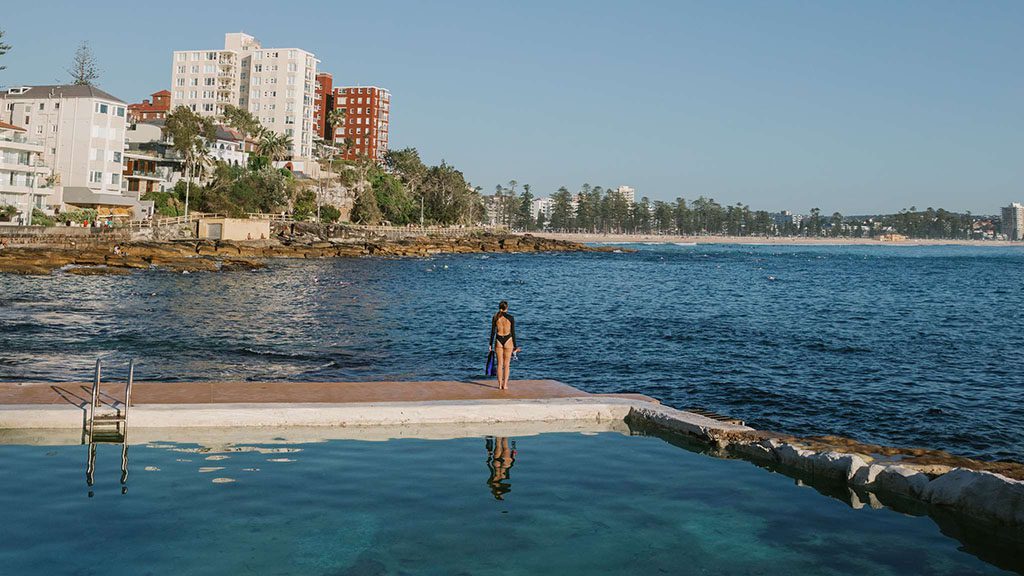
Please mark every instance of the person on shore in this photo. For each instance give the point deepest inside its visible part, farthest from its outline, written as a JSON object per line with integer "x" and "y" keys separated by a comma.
{"x": 503, "y": 342}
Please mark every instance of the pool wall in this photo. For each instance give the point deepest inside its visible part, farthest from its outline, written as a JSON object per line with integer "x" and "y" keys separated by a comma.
{"x": 980, "y": 494}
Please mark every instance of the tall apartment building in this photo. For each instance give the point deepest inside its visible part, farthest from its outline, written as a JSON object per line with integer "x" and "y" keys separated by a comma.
{"x": 82, "y": 131}
{"x": 323, "y": 103}
{"x": 1013, "y": 221}
{"x": 277, "y": 85}
{"x": 22, "y": 174}
{"x": 628, "y": 193}
{"x": 367, "y": 119}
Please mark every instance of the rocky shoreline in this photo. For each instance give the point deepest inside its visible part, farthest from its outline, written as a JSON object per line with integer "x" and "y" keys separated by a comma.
{"x": 212, "y": 256}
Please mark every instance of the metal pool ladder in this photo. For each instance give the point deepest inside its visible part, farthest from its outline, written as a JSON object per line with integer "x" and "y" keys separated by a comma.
{"x": 109, "y": 428}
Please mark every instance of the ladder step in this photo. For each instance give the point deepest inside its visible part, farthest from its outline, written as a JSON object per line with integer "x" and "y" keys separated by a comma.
{"x": 109, "y": 418}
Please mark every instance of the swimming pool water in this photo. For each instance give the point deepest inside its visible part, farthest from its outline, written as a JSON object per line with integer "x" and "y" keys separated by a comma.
{"x": 570, "y": 504}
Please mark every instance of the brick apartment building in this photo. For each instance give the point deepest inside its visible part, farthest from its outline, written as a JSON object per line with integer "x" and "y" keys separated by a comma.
{"x": 323, "y": 103}
{"x": 156, "y": 109}
{"x": 367, "y": 120}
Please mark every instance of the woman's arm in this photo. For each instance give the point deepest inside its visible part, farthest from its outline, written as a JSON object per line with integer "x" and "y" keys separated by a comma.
{"x": 512, "y": 329}
{"x": 494, "y": 331}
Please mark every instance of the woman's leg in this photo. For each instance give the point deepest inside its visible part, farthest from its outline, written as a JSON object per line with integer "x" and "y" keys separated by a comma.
{"x": 499, "y": 362}
{"x": 507, "y": 361}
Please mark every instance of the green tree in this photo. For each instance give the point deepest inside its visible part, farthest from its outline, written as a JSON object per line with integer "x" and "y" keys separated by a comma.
{"x": 411, "y": 171}
{"x": 4, "y": 48}
{"x": 561, "y": 210}
{"x": 836, "y": 225}
{"x": 524, "y": 214}
{"x": 242, "y": 120}
{"x": 84, "y": 70}
{"x": 274, "y": 146}
{"x": 335, "y": 120}
{"x": 396, "y": 205}
{"x": 329, "y": 214}
{"x": 189, "y": 133}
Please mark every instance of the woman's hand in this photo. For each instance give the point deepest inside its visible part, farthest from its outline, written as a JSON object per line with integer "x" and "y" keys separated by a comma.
{"x": 490, "y": 348}
{"x": 517, "y": 350}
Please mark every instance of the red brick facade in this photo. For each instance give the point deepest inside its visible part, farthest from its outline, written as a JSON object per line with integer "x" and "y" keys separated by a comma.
{"x": 323, "y": 104}
{"x": 155, "y": 110}
{"x": 367, "y": 121}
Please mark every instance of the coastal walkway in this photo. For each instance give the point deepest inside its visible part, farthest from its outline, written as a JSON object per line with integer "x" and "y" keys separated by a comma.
{"x": 241, "y": 392}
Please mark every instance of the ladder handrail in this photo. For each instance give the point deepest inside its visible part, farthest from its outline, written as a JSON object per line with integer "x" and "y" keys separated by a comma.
{"x": 95, "y": 399}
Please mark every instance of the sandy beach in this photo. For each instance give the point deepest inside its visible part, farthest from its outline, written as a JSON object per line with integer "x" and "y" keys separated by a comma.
{"x": 663, "y": 238}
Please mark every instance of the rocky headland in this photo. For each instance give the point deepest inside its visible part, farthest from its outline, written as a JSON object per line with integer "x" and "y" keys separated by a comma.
{"x": 111, "y": 257}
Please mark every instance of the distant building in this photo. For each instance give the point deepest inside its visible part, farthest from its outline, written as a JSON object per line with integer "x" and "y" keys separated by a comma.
{"x": 22, "y": 175}
{"x": 627, "y": 192}
{"x": 1013, "y": 221}
{"x": 82, "y": 130}
{"x": 147, "y": 110}
{"x": 277, "y": 85}
{"x": 367, "y": 121}
{"x": 541, "y": 206}
{"x": 323, "y": 103}
{"x": 152, "y": 165}
{"x": 786, "y": 218}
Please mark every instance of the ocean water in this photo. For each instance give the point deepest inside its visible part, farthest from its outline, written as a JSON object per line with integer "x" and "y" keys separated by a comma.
{"x": 569, "y": 504}
{"x": 908, "y": 346}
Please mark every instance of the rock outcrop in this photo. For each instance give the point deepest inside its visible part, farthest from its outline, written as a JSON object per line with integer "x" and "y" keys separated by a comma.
{"x": 211, "y": 256}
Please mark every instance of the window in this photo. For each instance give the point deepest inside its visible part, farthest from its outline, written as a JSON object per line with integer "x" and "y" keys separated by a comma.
{"x": 293, "y": 67}
{"x": 207, "y": 107}
{"x": 181, "y": 69}
{"x": 194, "y": 56}
{"x": 115, "y": 179}
{"x": 291, "y": 54}
{"x": 39, "y": 129}
{"x": 209, "y": 69}
{"x": 180, "y": 82}
{"x": 209, "y": 82}
{"x": 257, "y": 68}
{"x": 42, "y": 106}
{"x": 117, "y": 156}
{"x": 211, "y": 55}
{"x": 53, "y": 128}
{"x": 102, "y": 108}
{"x": 180, "y": 56}
{"x": 193, "y": 81}
{"x": 195, "y": 69}
{"x": 120, "y": 111}
{"x": 193, "y": 94}
{"x": 96, "y": 177}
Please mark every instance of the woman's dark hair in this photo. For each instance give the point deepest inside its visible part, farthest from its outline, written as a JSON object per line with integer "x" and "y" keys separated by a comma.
{"x": 503, "y": 305}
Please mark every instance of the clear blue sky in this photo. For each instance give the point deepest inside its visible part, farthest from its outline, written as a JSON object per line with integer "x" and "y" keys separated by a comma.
{"x": 851, "y": 106}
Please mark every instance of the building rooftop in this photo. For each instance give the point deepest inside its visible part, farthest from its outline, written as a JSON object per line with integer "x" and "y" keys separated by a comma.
{"x": 6, "y": 126}
{"x": 59, "y": 91}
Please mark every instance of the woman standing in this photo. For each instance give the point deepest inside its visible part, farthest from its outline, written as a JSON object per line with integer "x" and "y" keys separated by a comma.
{"x": 503, "y": 342}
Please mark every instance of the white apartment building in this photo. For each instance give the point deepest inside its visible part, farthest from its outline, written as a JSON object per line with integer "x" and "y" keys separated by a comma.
{"x": 628, "y": 193}
{"x": 541, "y": 206}
{"x": 1013, "y": 221}
{"x": 82, "y": 131}
{"x": 277, "y": 85}
{"x": 22, "y": 175}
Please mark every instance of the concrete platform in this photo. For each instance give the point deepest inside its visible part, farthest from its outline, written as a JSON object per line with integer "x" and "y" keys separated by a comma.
{"x": 143, "y": 393}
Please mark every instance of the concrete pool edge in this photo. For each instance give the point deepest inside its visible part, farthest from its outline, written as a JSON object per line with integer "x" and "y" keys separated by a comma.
{"x": 980, "y": 494}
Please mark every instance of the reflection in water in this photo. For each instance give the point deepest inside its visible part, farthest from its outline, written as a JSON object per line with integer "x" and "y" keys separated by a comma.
{"x": 90, "y": 465}
{"x": 500, "y": 459}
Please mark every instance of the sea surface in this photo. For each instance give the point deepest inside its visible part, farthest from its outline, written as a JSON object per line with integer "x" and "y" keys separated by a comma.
{"x": 902, "y": 345}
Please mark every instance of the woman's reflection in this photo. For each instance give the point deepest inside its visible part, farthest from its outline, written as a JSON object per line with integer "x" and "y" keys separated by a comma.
{"x": 500, "y": 459}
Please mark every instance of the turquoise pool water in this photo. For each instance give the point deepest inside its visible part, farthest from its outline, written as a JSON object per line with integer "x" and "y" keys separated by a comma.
{"x": 561, "y": 504}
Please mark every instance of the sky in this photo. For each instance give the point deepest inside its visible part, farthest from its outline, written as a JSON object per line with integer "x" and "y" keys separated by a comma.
{"x": 861, "y": 107}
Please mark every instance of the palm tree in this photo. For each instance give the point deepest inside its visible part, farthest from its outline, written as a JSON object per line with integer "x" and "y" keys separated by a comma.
{"x": 189, "y": 133}
{"x": 273, "y": 145}
{"x": 336, "y": 119}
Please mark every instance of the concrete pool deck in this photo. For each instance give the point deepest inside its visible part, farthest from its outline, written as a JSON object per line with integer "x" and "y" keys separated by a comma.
{"x": 38, "y": 413}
